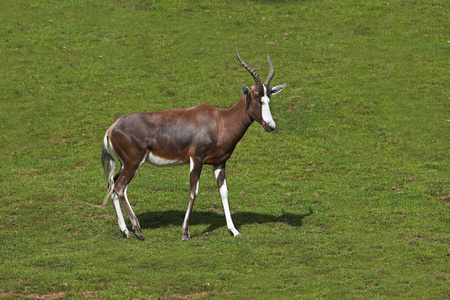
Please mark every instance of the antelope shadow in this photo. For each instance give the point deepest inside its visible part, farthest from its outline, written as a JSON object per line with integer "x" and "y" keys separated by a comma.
{"x": 158, "y": 219}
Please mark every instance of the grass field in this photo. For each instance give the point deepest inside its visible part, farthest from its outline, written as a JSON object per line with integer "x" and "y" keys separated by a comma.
{"x": 349, "y": 198}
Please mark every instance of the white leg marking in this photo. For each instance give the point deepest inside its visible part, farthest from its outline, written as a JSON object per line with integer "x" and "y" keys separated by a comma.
{"x": 120, "y": 219}
{"x": 133, "y": 219}
{"x": 185, "y": 226}
{"x": 223, "y": 190}
{"x": 192, "y": 196}
{"x": 196, "y": 188}
{"x": 190, "y": 171}
{"x": 191, "y": 165}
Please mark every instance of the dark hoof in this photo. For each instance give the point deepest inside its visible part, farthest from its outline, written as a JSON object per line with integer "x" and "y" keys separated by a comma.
{"x": 140, "y": 237}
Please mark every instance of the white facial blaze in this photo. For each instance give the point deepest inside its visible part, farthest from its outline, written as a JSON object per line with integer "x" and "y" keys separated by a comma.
{"x": 265, "y": 110}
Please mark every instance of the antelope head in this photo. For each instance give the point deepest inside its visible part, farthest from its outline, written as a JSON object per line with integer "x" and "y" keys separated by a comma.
{"x": 258, "y": 96}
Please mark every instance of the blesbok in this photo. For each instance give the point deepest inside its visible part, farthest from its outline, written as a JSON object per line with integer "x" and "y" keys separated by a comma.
{"x": 200, "y": 135}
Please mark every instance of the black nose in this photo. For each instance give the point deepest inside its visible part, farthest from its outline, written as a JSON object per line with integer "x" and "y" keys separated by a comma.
{"x": 269, "y": 128}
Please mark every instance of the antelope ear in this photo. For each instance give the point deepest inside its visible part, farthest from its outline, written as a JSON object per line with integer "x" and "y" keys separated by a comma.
{"x": 245, "y": 90}
{"x": 275, "y": 90}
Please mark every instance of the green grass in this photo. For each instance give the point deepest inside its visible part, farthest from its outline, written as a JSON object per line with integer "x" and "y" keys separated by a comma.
{"x": 349, "y": 198}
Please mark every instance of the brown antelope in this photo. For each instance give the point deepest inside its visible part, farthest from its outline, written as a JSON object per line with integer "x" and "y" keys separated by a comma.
{"x": 200, "y": 135}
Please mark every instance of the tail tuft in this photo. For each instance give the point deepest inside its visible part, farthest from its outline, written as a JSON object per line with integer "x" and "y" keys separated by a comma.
{"x": 109, "y": 165}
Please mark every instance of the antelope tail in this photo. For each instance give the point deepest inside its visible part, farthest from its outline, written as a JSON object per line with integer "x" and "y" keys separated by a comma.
{"x": 109, "y": 164}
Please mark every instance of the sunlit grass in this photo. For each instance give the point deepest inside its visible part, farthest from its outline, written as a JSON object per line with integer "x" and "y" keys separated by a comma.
{"x": 347, "y": 199}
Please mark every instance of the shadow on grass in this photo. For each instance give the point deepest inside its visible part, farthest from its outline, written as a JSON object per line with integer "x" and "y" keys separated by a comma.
{"x": 157, "y": 219}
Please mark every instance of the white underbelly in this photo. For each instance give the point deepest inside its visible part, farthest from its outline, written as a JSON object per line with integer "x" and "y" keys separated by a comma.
{"x": 161, "y": 162}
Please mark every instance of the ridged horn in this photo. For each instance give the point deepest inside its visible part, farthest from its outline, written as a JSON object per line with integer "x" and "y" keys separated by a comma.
{"x": 250, "y": 70}
{"x": 271, "y": 73}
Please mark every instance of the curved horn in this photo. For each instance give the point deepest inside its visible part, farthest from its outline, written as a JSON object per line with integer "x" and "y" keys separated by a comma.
{"x": 271, "y": 73}
{"x": 250, "y": 70}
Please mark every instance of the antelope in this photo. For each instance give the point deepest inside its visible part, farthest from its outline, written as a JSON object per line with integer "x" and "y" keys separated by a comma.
{"x": 200, "y": 135}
